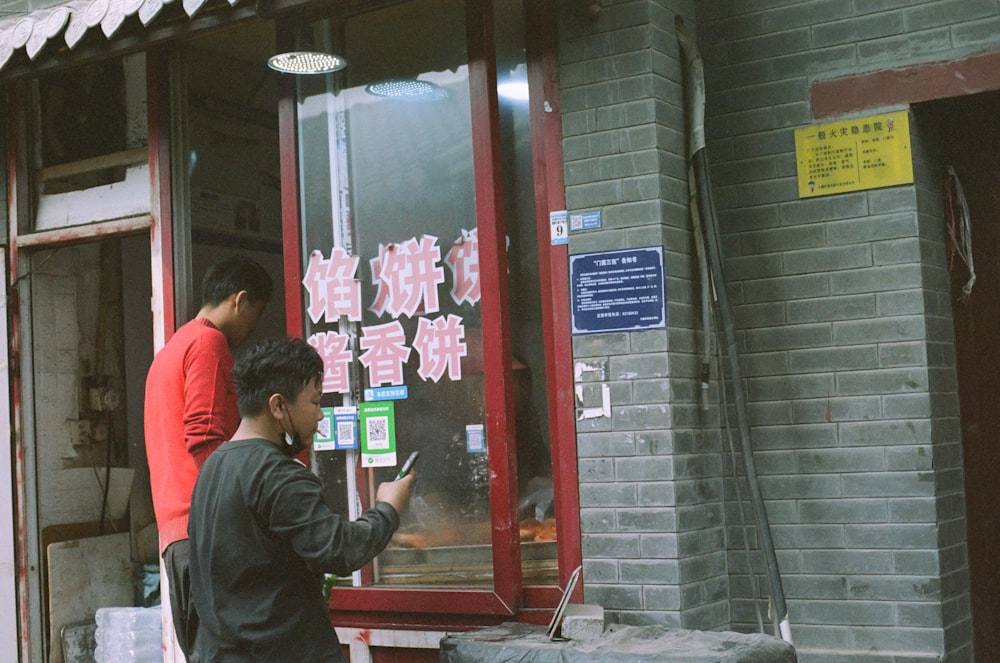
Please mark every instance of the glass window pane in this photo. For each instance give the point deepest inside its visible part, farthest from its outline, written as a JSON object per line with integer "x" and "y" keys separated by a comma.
{"x": 534, "y": 466}
{"x": 387, "y": 179}
{"x": 226, "y": 193}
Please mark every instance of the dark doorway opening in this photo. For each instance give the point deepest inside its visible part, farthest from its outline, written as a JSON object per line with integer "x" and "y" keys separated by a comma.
{"x": 967, "y": 136}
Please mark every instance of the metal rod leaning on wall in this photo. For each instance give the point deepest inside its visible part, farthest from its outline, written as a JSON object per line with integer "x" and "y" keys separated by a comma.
{"x": 694, "y": 80}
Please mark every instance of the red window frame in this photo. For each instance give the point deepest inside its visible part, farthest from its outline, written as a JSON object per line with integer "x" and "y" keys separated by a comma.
{"x": 508, "y": 597}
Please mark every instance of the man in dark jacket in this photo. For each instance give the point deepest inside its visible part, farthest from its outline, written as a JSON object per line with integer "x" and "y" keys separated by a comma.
{"x": 261, "y": 534}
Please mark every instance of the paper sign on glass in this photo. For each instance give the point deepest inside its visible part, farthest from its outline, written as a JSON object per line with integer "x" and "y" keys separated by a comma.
{"x": 378, "y": 434}
{"x": 324, "y": 438}
{"x": 345, "y": 425}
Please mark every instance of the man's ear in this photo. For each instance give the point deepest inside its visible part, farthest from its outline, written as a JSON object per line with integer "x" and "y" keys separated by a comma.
{"x": 241, "y": 299}
{"x": 276, "y": 406}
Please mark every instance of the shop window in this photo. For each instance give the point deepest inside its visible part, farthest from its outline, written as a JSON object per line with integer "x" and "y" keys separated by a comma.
{"x": 90, "y": 161}
{"x": 402, "y": 271}
{"x": 226, "y": 163}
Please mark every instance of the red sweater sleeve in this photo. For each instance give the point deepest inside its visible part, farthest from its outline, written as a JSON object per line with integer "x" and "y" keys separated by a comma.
{"x": 210, "y": 411}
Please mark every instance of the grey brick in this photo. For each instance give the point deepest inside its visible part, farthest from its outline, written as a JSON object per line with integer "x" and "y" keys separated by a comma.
{"x": 800, "y": 437}
{"x": 636, "y": 366}
{"x": 899, "y": 302}
{"x": 925, "y": 615}
{"x": 596, "y": 469}
{"x": 657, "y": 494}
{"x": 702, "y": 566}
{"x": 614, "y": 597}
{"x": 697, "y": 516}
{"x": 600, "y": 571}
{"x": 857, "y": 29}
{"x": 645, "y": 468}
{"x": 876, "y": 279}
{"x": 909, "y": 458}
{"x": 646, "y": 520}
{"x": 804, "y": 537}
{"x": 764, "y": 363}
{"x": 814, "y": 586}
{"x": 650, "y": 572}
{"x": 896, "y": 251}
{"x": 787, "y": 288}
{"x": 888, "y": 484}
{"x": 662, "y": 598}
{"x": 896, "y": 639}
{"x": 892, "y": 535}
{"x": 882, "y": 433}
{"x": 770, "y": 413}
{"x": 903, "y": 354}
{"x": 881, "y": 382}
{"x": 865, "y": 613}
{"x": 637, "y": 417}
{"x": 838, "y": 461}
{"x": 770, "y": 44}
{"x": 607, "y": 495}
{"x": 867, "y": 229}
{"x": 793, "y": 386}
{"x": 828, "y": 309}
{"x": 877, "y": 562}
{"x": 828, "y": 259}
{"x": 892, "y": 50}
{"x": 881, "y": 330}
{"x": 659, "y": 545}
{"x": 789, "y": 337}
{"x": 802, "y": 487}
{"x": 610, "y": 546}
{"x": 839, "y": 409}
{"x": 975, "y": 33}
{"x": 599, "y": 445}
{"x": 832, "y": 359}
{"x": 598, "y": 520}
{"x": 700, "y": 542}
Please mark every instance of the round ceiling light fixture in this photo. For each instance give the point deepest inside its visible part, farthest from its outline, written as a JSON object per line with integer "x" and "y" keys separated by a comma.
{"x": 306, "y": 62}
{"x": 406, "y": 89}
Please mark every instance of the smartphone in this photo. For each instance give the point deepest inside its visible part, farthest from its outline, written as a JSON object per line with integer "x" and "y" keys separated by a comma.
{"x": 408, "y": 465}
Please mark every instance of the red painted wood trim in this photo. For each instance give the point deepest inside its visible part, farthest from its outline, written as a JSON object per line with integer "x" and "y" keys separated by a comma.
{"x": 381, "y": 600}
{"x": 550, "y": 196}
{"x": 161, "y": 231}
{"x": 906, "y": 85}
{"x": 87, "y": 232}
{"x": 291, "y": 241}
{"x": 17, "y": 213}
{"x": 495, "y": 302}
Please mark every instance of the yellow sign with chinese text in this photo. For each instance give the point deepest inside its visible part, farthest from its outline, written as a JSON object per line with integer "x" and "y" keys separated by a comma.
{"x": 854, "y": 155}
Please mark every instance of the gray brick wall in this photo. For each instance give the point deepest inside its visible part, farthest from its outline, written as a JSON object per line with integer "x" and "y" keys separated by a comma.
{"x": 846, "y": 333}
{"x": 843, "y": 322}
{"x": 650, "y": 476}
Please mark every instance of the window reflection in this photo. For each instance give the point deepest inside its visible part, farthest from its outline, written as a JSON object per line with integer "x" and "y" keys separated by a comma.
{"x": 387, "y": 171}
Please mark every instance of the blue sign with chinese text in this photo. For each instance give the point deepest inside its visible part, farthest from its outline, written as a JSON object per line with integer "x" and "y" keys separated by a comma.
{"x": 386, "y": 393}
{"x": 615, "y": 291}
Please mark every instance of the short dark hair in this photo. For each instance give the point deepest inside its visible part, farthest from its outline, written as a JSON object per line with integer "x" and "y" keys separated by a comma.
{"x": 231, "y": 275}
{"x": 275, "y": 366}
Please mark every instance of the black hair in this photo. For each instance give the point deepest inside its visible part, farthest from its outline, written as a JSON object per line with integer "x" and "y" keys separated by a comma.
{"x": 275, "y": 366}
{"x": 231, "y": 275}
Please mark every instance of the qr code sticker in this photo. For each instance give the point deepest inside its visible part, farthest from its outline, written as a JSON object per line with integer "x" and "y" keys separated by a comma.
{"x": 378, "y": 432}
{"x": 345, "y": 433}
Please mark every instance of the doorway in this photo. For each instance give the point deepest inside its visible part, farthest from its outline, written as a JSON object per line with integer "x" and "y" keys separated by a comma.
{"x": 89, "y": 330}
{"x": 968, "y": 138}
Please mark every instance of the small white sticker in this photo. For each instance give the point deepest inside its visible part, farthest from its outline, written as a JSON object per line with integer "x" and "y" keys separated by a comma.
{"x": 559, "y": 227}
{"x": 475, "y": 438}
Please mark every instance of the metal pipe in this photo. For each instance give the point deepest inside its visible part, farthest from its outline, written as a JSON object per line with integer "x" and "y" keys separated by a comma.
{"x": 698, "y": 164}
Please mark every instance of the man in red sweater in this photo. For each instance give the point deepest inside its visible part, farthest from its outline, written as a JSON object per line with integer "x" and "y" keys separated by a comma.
{"x": 190, "y": 409}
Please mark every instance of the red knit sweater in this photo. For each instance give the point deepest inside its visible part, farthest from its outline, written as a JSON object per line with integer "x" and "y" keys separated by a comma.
{"x": 190, "y": 409}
